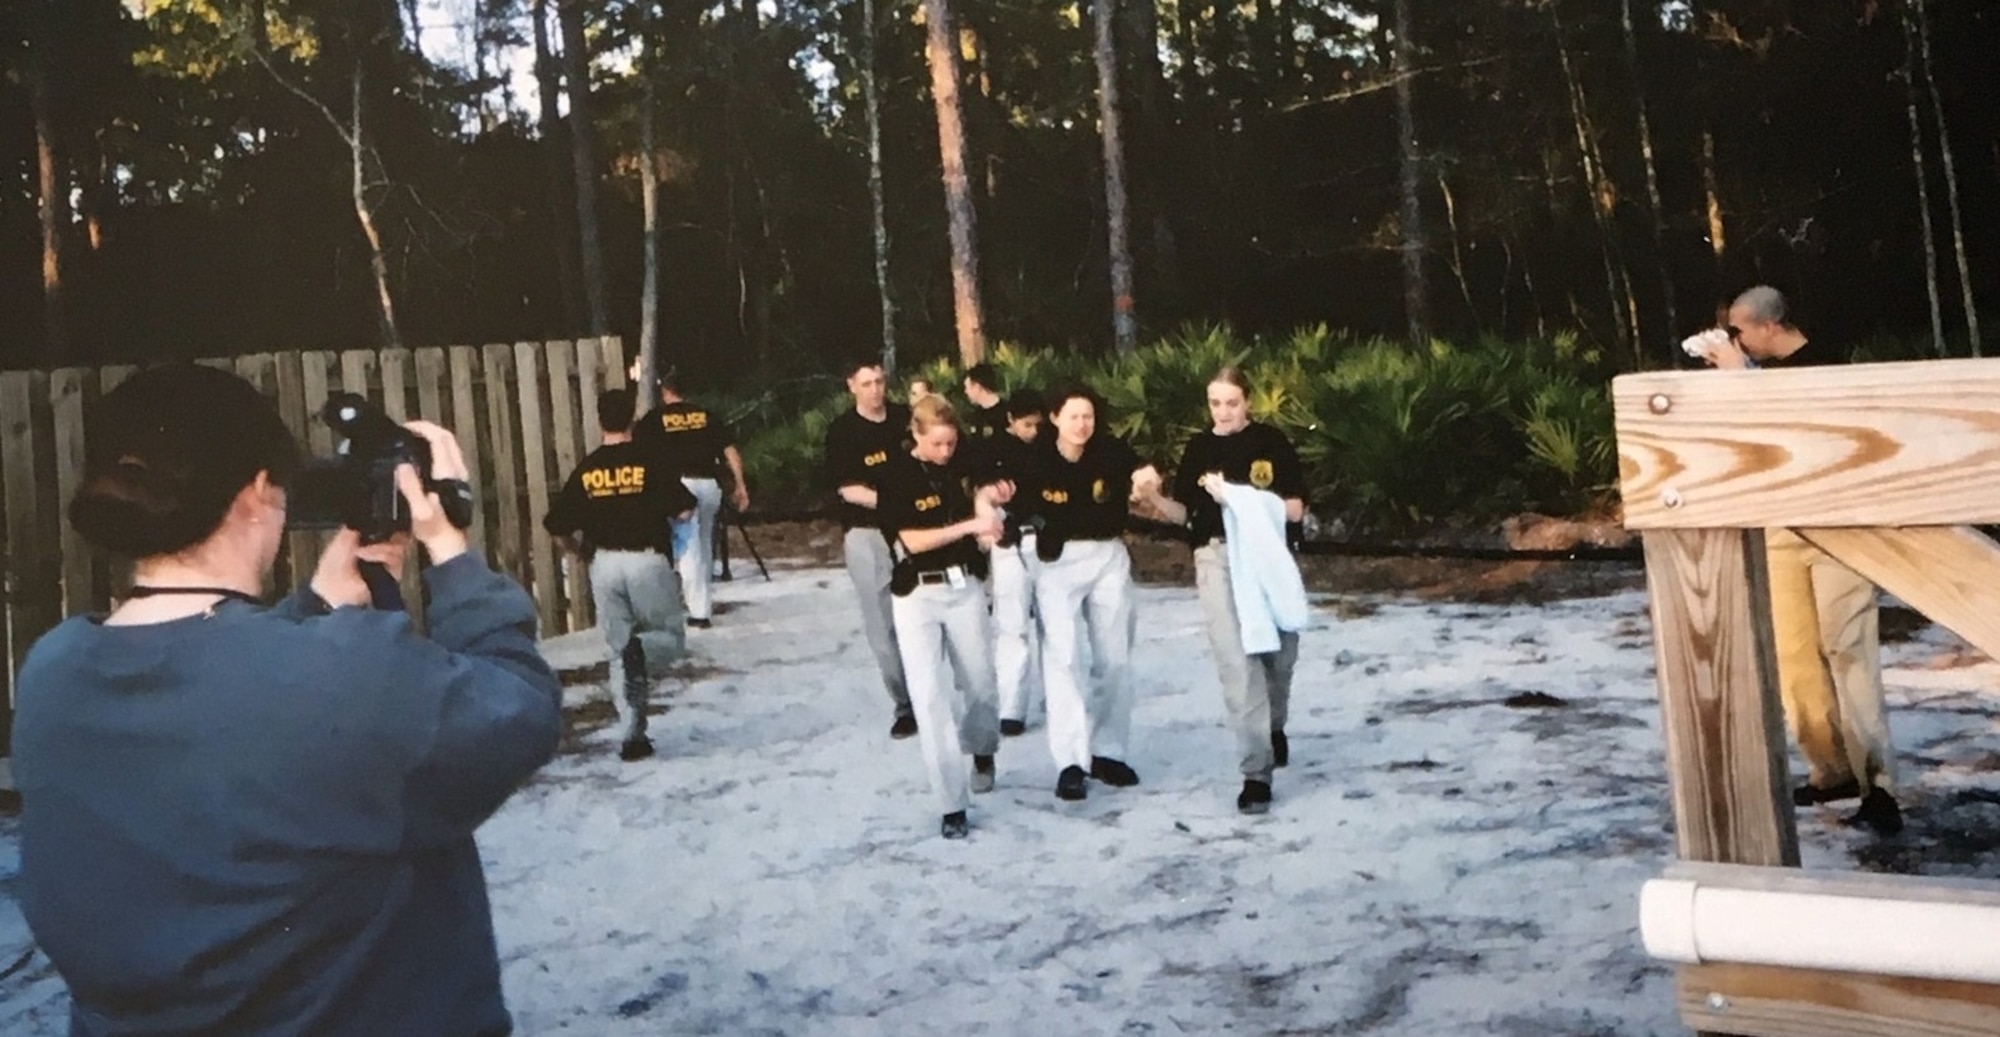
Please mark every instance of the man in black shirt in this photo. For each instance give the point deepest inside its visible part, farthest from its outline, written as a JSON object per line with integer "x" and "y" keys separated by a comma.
{"x": 1823, "y": 614}
{"x": 622, "y": 503}
{"x": 859, "y": 446}
{"x": 989, "y": 416}
{"x": 1017, "y": 647}
{"x": 692, "y": 442}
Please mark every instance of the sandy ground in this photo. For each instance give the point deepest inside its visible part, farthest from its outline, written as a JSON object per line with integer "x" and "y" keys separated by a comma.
{"x": 1476, "y": 795}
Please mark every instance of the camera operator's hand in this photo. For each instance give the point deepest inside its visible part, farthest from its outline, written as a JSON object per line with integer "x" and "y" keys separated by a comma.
{"x": 337, "y": 576}
{"x": 428, "y": 523}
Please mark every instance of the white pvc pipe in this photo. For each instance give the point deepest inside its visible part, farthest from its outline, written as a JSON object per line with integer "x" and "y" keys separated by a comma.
{"x": 1692, "y": 921}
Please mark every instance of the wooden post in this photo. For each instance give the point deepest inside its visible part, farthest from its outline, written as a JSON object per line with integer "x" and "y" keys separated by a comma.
{"x": 535, "y": 472}
{"x": 34, "y": 597}
{"x": 69, "y": 395}
{"x": 567, "y": 436}
{"x": 1711, "y": 604}
{"x": 394, "y": 365}
{"x": 507, "y": 557}
{"x": 465, "y": 424}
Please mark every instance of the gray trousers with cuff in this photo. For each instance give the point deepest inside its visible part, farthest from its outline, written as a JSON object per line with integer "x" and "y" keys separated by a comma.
{"x": 946, "y": 645}
{"x": 1256, "y": 689}
{"x": 638, "y": 599}
{"x": 1085, "y": 602}
{"x": 869, "y": 567}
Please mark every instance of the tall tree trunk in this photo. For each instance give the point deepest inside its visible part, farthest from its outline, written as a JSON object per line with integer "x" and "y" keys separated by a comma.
{"x": 583, "y": 157}
{"x": 1602, "y": 196}
{"x": 1124, "y": 320}
{"x": 1458, "y": 253}
{"x": 1151, "y": 145}
{"x": 1909, "y": 73}
{"x": 1711, "y": 186}
{"x": 1950, "y": 174}
{"x": 52, "y": 202}
{"x": 872, "y": 109}
{"x": 1656, "y": 210}
{"x": 364, "y": 213}
{"x": 941, "y": 49}
{"x": 555, "y": 142}
{"x": 1416, "y": 305}
{"x": 649, "y": 289}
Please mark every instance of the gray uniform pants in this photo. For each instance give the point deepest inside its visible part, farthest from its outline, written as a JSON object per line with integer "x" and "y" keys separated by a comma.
{"x": 1256, "y": 689}
{"x": 1016, "y": 641}
{"x": 697, "y": 563}
{"x": 638, "y": 599}
{"x": 869, "y": 566}
{"x": 945, "y": 642}
{"x": 1085, "y": 597}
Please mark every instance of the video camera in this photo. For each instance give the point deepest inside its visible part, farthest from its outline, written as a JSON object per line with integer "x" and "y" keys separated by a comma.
{"x": 357, "y": 486}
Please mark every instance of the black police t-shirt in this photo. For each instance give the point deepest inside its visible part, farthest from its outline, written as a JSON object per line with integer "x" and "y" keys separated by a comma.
{"x": 1812, "y": 354}
{"x": 1258, "y": 455}
{"x": 856, "y": 450}
{"x": 620, "y": 499}
{"x": 1085, "y": 499}
{"x": 916, "y": 495}
{"x": 687, "y": 437}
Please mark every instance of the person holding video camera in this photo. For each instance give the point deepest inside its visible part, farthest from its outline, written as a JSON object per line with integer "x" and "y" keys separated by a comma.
{"x": 249, "y": 820}
{"x": 1256, "y": 688}
{"x": 941, "y": 528}
{"x": 691, "y": 440}
{"x": 623, "y": 507}
{"x": 1078, "y": 491}
{"x": 1824, "y": 617}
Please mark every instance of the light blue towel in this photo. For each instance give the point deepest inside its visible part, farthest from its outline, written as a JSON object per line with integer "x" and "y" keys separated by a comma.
{"x": 683, "y": 536}
{"x": 1263, "y": 576}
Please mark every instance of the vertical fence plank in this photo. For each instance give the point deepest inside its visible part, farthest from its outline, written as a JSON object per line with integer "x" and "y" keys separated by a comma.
{"x": 464, "y": 422}
{"x": 567, "y": 434}
{"x": 394, "y": 365}
{"x": 590, "y": 382}
{"x": 34, "y": 592}
{"x": 357, "y": 370}
{"x": 535, "y": 471}
{"x": 500, "y": 440}
{"x": 301, "y": 549}
{"x": 117, "y": 571}
{"x": 431, "y": 386}
{"x": 68, "y": 398}
{"x": 611, "y": 353}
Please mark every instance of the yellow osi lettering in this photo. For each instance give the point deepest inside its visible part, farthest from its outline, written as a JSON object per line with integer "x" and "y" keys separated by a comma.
{"x": 878, "y": 457}
{"x": 932, "y": 501}
{"x": 1056, "y": 496}
{"x": 627, "y": 478}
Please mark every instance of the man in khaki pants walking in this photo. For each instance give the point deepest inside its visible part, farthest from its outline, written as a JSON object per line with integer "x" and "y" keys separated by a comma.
{"x": 1823, "y": 615}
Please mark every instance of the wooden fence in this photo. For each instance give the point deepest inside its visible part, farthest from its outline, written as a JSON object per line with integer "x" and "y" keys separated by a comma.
{"x": 525, "y": 414}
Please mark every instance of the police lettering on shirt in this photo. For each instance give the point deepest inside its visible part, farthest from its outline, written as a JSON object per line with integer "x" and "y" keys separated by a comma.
{"x": 618, "y": 500}
{"x": 1258, "y": 455}
{"x": 688, "y": 440}
{"x": 618, "y": 481}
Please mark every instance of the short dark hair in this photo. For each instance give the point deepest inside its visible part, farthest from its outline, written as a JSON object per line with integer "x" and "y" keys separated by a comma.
{"x": 614, "y": 410}
{"x": 1023, "y": 403}
{"x": 859, "y": 363}
{"x": 669, "y": 380}
{"x": 983, "y": 375}
{"x": 1061, "y": 396}
{"x": 168, "y": 451}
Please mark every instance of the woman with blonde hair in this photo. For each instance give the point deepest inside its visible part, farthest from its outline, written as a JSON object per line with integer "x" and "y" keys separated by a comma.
{"x": 1256, "y": 687}
{"x": 941, "y": 527}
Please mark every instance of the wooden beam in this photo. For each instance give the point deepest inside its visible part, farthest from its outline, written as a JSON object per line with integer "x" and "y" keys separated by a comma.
{"x": 1948, "y": 573}
{"x": 1711, "y": 607}
{"x": 1906, "y": 444}
{"x": 1761, "y": 1001}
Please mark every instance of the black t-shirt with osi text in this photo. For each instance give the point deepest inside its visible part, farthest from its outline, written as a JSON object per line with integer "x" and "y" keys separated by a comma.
{"x": 988, "y": 422}
{"x": 1085, "y": 499}
{"x": 1258, "y": 455}
{"x": 916, "y": 495}
{"x": 687, "y": 437}
{"x": 620, "y": 499}
{"x": 856, "y": 451}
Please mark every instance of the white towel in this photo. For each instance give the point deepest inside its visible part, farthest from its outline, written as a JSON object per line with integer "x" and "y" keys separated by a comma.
{"x": 1263, "y": 576}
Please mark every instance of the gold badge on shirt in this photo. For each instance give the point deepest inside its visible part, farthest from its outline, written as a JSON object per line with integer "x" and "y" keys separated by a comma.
{"x": 1261, "y": 474}
{"x": 1097, "y": 492}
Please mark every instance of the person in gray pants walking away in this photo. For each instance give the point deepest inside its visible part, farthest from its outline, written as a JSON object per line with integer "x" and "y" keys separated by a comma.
{"x": 860, "y": 444}
{"x": 694, "y": 444}
{"x": 942, "y": 531}
{"x": 617, "y": 511}
{"x": 1256, "y": 689}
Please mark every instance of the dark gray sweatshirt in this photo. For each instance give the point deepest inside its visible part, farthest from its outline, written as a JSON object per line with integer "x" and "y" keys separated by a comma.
{"x": 259, "y": 821}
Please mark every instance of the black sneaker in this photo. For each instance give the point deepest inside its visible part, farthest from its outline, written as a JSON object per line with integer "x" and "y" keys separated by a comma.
{"x": 1070, "y": 784}
{"x": 1880, "y": 812}
{"x": 1113, "y": 772}
{"x": 700, "y": 624}
{"x": 904, "y": 727}
{"x": 1255, "y": 797}
{"x": 982, "y": 774}
{"x": 954, "y": 826}
{"x": 1281, "y": 748}
{"x": 1809, "y": 795}
{"x": 1013, "y": 728}
{"x": 636, "y": 749}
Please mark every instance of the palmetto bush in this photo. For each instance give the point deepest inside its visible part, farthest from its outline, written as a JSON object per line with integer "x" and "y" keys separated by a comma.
{"x": 1395, "y": 439}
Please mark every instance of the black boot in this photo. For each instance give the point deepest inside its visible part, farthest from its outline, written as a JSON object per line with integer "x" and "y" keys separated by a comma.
{"x": 954, "y": 825}
{"x": 1255, "y": 797}
{"x": 1113, "y": 772}
{"x": 1880, "y": 812}
{"x": 636, "y": 749}
{"x": 1070, "y": 784}
{"x": 1281, "y": 748}
{"x": 982, "y": 774}
{"x": 1013, "y": 728}
{"x": 904, "y": 727}
{"x": 1809, "y": 795}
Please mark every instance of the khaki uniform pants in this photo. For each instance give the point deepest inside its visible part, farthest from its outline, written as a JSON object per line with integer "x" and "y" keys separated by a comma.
{"x": 1828, "y": 641}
